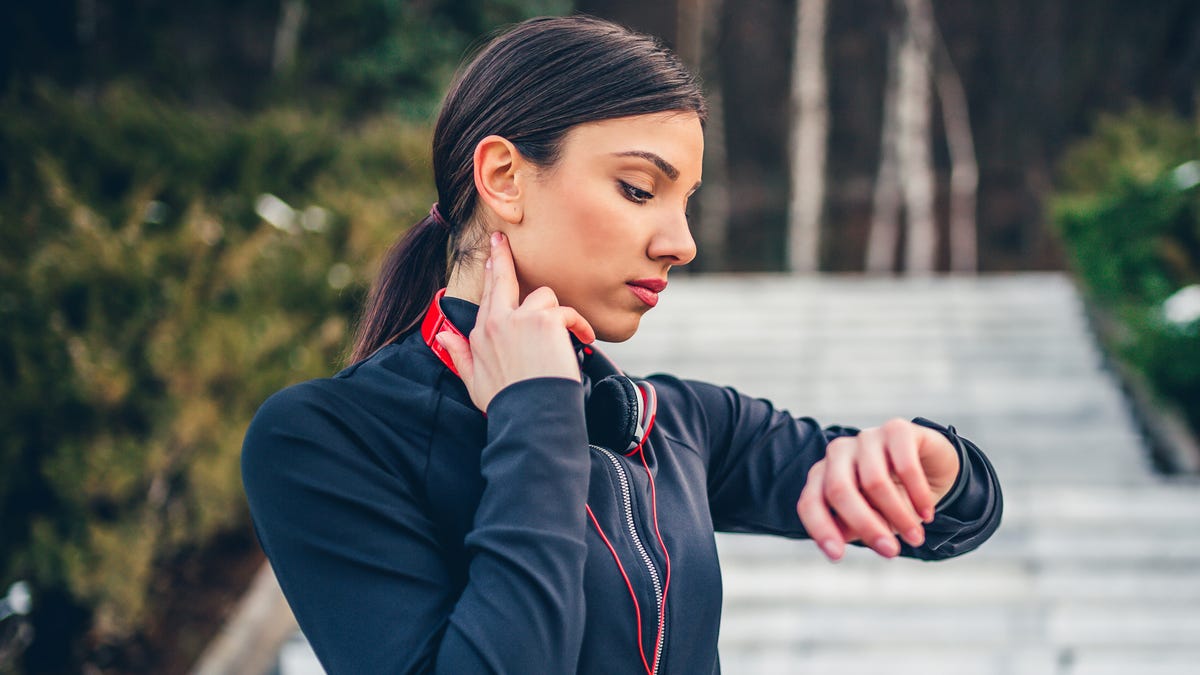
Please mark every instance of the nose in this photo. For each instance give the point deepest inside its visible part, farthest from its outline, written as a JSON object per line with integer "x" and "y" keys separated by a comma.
{"x": 673, "y": 242}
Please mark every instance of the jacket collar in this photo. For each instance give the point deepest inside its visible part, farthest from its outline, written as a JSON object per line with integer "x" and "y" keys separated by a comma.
{"x": 462, "y": 313}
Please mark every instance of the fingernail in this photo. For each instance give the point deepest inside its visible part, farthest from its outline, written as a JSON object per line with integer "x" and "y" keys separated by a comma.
{"x": 488, "y": 265}
{"x": 832, "y": 549}
{"x": 927, "y": 514}
{"x": 495, "y": 239}
{"x": 915, "y": 536}
{"x": 887, "y": 546}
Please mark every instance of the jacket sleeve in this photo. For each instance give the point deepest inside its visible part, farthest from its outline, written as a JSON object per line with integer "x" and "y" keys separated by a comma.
{"x": 759, "y": 457}
{"x": 355, "y": 550}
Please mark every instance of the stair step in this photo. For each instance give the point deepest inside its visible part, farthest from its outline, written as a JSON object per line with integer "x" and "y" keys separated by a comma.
{"x": 1015, "y": 660}
{"x": 1061, "y": 624}
{"x": 749, "y": 587}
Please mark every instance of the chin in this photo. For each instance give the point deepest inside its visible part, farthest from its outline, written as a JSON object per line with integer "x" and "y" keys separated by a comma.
{"x": 617, "y": 333}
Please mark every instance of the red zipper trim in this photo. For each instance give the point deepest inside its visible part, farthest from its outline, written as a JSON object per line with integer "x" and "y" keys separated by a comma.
{"x": 637, "y": 609}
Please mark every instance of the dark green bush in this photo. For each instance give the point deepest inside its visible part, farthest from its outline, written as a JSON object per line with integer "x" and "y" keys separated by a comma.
{"x": 148, "y": 310}
{"x": 1129, "y": 214}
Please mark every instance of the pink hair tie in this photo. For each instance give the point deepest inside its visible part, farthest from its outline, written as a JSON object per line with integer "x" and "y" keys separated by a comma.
{"x": 436, "y": 214}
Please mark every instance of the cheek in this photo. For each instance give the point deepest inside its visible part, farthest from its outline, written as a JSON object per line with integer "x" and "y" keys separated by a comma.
{"x": 580, "y": 221}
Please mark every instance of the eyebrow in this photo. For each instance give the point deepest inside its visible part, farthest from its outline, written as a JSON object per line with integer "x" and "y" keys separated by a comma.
{"x": 663, "y": 165}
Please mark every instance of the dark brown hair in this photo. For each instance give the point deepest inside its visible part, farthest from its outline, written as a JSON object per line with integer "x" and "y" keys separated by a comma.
{"x": 530, "y": 84}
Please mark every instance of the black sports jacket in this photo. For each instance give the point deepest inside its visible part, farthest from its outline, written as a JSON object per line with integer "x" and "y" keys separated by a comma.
{"x": 411, "y": 533}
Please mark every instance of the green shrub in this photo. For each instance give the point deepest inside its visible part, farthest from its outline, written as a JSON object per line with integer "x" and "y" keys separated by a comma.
{"x": 148, "y": 310}
{"x": 1130, "y": 217}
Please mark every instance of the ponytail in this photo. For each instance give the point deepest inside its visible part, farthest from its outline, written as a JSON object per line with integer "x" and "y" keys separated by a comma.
{"x": 412, "y": 272}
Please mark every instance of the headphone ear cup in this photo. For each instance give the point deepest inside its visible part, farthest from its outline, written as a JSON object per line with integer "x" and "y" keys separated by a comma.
{"x": 647, "y": 411}
{"x": 614, "y": 412}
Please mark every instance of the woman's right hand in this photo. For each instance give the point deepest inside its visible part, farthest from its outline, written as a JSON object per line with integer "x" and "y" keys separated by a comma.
{"x": 512, "y": 340}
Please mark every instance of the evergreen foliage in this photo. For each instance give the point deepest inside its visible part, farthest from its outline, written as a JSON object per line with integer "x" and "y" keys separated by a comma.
{"x": 1130, "y": 215}
{"x": 188, "y": 223}
{"x": 148, "y": 310}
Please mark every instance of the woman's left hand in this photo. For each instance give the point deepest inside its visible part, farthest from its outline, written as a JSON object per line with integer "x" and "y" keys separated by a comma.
{"x": 884, "y": 481}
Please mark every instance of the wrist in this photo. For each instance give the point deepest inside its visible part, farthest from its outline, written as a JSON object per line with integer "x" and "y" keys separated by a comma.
{"x": 955, "y": 488}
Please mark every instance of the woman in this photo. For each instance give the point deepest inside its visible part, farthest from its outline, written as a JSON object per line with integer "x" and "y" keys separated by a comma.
{"x": 482, "y": 490}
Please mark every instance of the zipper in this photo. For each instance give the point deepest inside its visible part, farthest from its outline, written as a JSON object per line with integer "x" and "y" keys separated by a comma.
{"x": 626, "y": 495}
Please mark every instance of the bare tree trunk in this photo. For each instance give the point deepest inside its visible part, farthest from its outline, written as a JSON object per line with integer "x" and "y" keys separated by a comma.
{"x": 86, "y": 18}
{"x": 85, "y": 22}
{"x": 696, "y": 31}
{"x": 287, "y": 35}
{"x": 885, "y": 204}
{"x": 914, "y": 147}
{"x": 689, "y": 31}
{"x": 714, "y": 196}
{"x": 964, "y": 170}
{"x": 810, "y": 131}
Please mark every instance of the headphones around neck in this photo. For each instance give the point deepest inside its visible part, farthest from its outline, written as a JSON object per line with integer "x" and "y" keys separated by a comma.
{"x": 620, "y": 411}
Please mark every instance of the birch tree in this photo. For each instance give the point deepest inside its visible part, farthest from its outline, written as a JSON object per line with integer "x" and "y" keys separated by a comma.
{"x": 914, "y": 108}
{"x": 885, "y": 203}
{"x": 905, "y": 157}
{"x": 810, "y": 131}
{"x": 696, "y": 36}
{"x": 287, "y": 36}
{"x": 964, "y": 169}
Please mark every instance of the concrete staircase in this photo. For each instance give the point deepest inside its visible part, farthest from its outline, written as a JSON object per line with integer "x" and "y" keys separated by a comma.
{"x": 1096, "y": 566}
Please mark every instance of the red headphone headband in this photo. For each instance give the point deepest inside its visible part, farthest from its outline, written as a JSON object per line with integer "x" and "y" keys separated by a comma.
{"x": 600, "y": 366}
{"x": 434, "y": 323}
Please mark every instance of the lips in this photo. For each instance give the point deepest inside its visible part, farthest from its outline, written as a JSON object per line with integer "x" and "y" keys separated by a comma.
{"x": 652, "y": 285}
{"x": 647, "y": 290}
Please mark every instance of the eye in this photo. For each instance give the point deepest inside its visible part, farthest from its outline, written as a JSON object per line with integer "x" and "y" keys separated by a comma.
{"x": 633, "y": 194}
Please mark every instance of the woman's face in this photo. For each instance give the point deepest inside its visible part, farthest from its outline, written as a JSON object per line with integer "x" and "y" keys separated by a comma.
{"x": 605, "y": 223}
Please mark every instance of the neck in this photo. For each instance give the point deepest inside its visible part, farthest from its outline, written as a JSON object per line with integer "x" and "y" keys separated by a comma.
{"x": 466, "y": 282}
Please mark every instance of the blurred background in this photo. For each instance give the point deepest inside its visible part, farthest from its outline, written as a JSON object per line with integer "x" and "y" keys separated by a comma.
{"x": 194, "y": 198}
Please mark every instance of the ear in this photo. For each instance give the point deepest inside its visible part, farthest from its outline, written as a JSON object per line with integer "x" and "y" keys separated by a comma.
{"x": 499, "y": 174}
